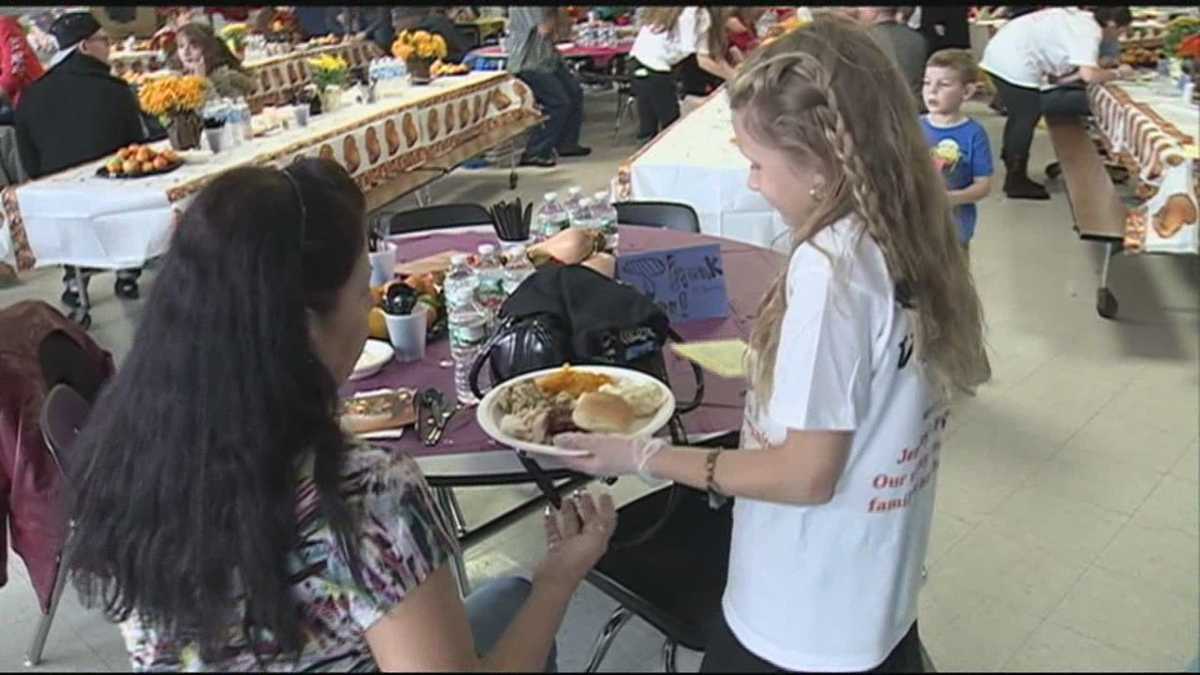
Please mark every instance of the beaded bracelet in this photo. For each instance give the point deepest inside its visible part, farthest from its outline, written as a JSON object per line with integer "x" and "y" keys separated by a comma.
{"x": 716, "y": 494}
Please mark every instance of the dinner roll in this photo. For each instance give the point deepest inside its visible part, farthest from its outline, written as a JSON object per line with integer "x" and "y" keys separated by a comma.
{"x": 602, "y": 413}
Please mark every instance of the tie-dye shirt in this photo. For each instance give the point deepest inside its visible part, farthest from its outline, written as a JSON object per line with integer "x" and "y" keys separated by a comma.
{"x": 402, "y": 539}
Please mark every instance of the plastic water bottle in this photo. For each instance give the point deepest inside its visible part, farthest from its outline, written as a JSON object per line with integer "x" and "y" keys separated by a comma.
{"x": 242, "y": 117}
{"x": 490, "y": 273}
{"x": 466, "y": 323}
{"x": 574, "y": 194}
{"x": 582, "y": 217}
{"x": 605, "y": 215}
{"x": 552, "y": 217}
{"x": 517, "y": 268}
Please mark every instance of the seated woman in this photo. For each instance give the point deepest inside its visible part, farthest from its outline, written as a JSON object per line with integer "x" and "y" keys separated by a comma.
{"x": 701, "y": 73}
{"x": 224, "y": 518}
{"x": 199, "y": 52}
{"x": 742, "y": 29}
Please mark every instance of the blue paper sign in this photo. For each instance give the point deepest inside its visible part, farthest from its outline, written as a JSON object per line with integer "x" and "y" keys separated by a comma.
{"x": 688, "y": 283}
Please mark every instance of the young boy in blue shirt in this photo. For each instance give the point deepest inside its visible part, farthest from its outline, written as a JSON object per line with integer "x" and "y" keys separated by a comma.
{"x": 958, "y": 144}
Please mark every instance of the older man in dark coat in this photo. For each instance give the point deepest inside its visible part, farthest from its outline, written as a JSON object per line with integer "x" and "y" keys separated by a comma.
{"x": 78, "y": 112}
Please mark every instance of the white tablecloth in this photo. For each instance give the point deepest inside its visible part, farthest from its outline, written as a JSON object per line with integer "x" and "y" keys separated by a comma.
{"x": 77, "y": 218}
{"x": 696, "y": 162}
{"x": 1154, "y": 134}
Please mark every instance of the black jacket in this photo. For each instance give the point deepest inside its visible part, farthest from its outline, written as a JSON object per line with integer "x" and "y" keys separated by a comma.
{"x": 75, "y": 113}
{"x": 953, "y": 18}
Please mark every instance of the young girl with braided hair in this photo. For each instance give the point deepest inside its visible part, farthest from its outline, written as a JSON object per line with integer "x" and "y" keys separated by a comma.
{"x": 856, "y": 351}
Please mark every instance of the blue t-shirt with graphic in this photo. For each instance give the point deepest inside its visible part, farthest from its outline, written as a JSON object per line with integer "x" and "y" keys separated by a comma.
{"x": 961, "y": 153}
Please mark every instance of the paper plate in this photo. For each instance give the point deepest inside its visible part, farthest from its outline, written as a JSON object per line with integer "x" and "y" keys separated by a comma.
{"x": 489, "y": 415}
{"x": 375, "y": 355}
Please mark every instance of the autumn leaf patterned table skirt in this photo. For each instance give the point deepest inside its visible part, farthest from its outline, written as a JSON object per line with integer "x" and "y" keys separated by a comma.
{"x": 1154, "y": 137}
{"x": 78, "y": 218}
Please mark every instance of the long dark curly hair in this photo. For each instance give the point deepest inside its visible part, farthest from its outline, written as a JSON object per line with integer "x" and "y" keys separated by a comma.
{"x": 185, "y": 485}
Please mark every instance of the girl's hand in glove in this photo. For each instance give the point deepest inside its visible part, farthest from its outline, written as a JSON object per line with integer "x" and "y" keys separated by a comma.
{"x": 609, "y": 455}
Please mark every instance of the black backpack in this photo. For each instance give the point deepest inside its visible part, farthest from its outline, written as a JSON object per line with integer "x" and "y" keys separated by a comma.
{"x": 573, "y": 314}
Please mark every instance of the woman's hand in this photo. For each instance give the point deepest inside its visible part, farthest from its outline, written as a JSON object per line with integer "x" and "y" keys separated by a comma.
{"x": 609, "y": 455}
{"x": 576, "y": 536}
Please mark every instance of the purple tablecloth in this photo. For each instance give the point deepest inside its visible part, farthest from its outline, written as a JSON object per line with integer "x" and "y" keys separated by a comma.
{"x": 748, "y": 273}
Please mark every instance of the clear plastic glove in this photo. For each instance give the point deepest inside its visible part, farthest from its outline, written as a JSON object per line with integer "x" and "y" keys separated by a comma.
{"x": 576, "y": 536}
{"x": 610, "y": 455}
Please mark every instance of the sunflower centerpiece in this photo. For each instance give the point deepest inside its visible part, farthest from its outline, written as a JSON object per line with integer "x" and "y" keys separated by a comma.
{"x": 176, "y": 102}
{"x": 419, "y": 49}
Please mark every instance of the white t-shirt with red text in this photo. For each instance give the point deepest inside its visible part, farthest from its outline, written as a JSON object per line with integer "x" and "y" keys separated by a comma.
{"x": 834, "y": 587}
{"x": 1044, "y": 46}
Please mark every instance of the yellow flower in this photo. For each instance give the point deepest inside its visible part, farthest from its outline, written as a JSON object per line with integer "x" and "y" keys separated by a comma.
{"x": 235, "y": 30}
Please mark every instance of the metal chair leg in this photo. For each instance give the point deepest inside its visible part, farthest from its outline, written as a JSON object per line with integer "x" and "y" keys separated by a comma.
{"x": 616, "y": 621}
{"x": 669, "y": 649}
{"x": 620, "y": 112}
{"x": 449, "y": 505}
{"x": 34, "y": 656}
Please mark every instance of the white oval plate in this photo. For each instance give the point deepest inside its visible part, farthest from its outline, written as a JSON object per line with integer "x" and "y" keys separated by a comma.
{"x": 375, "y": 355}
{"x": 489, "y": 415}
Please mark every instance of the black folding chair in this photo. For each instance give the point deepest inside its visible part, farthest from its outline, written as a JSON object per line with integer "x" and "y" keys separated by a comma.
{"x": 437, "y": 218}
{"x": 671, "y": 576}
{"x": 63, "y": 415}
{"x": 667, "y": 215}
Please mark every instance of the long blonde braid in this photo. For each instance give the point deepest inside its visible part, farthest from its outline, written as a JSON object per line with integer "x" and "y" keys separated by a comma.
{"x": 877, "y": 165}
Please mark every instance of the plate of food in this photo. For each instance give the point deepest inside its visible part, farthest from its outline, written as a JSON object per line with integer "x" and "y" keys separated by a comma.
{"x": 375, "y": 355}
{"x": 140, "y": 161}
{"x": 527, "y": 411}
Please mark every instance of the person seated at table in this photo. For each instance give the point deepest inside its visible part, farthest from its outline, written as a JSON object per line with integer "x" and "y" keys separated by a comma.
{"x": 433, "y": 20}
{"x": 199, "y": 52}
{"x": 315, "y": 20}
{"x": 907, "y": 46}
{"x": 282, "y": 543}
{"x": 667, "y": 36}
{"x": 700, "y": 74}
{"x": 19, "y": 66}
{"x": 372, "y": 23}
{"x": 742, "y": 30}
{"x": 533, "y": 58}
{"x": 78, "y": 112}
{"x": 1040, "y": 63}
{"x": 857, "y": 351}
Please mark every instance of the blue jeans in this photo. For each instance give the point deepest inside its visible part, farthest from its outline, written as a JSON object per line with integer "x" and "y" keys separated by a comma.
{"x": 491, "y": 609}
{"x": 561, "y": 98}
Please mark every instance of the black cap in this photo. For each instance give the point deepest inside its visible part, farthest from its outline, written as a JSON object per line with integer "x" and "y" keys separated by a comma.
{"x": 73, "y": 28}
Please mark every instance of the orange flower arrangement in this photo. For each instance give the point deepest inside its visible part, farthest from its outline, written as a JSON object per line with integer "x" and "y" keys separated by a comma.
{"x": 420, "y": 44}
{"x": 168, "y": 96}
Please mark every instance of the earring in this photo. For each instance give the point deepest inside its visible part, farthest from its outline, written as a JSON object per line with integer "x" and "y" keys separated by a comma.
{"x": 816, "y": 193}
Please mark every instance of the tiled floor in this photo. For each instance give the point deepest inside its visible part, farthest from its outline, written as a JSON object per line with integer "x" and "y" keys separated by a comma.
{"x": 1067, "y": 532}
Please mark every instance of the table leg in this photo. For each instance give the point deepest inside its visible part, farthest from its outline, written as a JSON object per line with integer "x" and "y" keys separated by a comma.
{"x": 449, "y": 505}
{"x": 1106, "y": 302}
{"x": 82, "y": 314}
